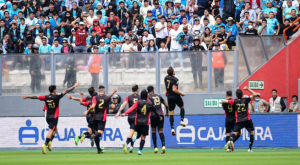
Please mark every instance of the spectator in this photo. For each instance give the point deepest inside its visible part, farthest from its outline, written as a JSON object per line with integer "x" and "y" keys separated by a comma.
{"x": 91, "y": 17}
{"x": 14, "y": 33}
{"x": 263, "y": 30}
{"x": 196, "y": 62}
{"x": 95, "y": 39}
{"x": 70, "y": 74}
{"x": 147, "y": 36}
{"x": 272, "y": 23}
{"x": 55, "y": 20}
{"x": 161, "y": 31}
{"x": 72, "y": 38}
{"x": 94, "y": 66}
{"x": 122, "y": 10}
{"x": 114, "y": 47}
{"x": 56, "y": 47}
{"x": 113, "y": 18}
{"x": 208, "y": 16}
{"x": 39, "y": 38}
{"x": 287, "y": 10}
{"x": 245, "y": 21}
{"x": 294, "y": 3}
{"x": 35, "y": 31}
{"x": 191, "y": 8}
{"x": 202, "y": 5}
{"x": 256, "y": 6}
{"x": 7, "y": 19}
{"x": 64, "y": 30}
{"x": 238, "y": 9}
{"x": 223, "y": 38}
{"x": 250, "y": 29}
{"x": 248, "y": 9}
{"x": 170, "y": 9}
{"x": 259, "y": 105}
{"x": 81, "y": 35}
{"x": 28, "y": 38}
{"x": 285, "y": 25}
{"x": 111, "y": 28}
{"x": 44, "y": 48}
{"x": 294, "y": 104}
{"x": 278, "y": 5}
{"x": 207, "y": 39}
{"x": 147, "y": 18}
{"x": 150, "y": 57}
{"x": 3, "y": 29}
{"x": 66, "y": 48}
{"x": 277, "y": 104}
{"x": 126, "y": 24}
{"x": 48, "y": 31}
{"x": 215, "y": 10}
{"x": 270, "y": 8}
{"x": 146, "y": 7}
{"x": 55, "y": 37}
{"x": 175, "y": 45}
{"x": 179, "y": 5}
{"x": 219, "y": 62}
{"x": 231, "y": 30}
{"x": 137, "y": 47}
{"x": 35, "y": 65}
{"x": 102, "y": 47}
{"x": 158, "y": 10}
{"x": 126, "y": 47}
{"x": 135, "y": 8}
{"x": 196, "y": 27}
{"x": 218, "y": 24}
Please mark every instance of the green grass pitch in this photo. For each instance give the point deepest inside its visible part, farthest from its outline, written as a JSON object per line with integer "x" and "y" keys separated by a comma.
{"x": 172, "y": 157}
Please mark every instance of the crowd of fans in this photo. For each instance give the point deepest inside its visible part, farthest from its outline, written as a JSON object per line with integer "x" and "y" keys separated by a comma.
{"x": 66, "y": 26}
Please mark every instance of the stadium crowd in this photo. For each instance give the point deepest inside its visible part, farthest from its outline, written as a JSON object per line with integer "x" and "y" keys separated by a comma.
{"x": 66, "y": 26}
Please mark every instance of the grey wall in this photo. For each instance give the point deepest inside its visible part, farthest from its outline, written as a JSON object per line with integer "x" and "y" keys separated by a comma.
{"x": 14, "y": 105}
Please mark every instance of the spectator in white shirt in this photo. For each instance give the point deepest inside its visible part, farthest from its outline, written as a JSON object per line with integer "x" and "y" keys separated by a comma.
{"x": 145, "y": 8}
{"x": 207, "y": 15}
{"x": 161, "y": 30}
{"x": 147, "y": 36}
{"x": 126, "y": 47}
{"x": 91, "y": 17}
{"x": 175, "y": 45}
{"x": 252, "y": 13}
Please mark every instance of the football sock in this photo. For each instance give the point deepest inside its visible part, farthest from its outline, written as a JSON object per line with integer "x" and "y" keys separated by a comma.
{"x": 128, "y": 141}
{"x": 154, "y": 139}
{"x": 87, "y": 135}
{"x": 227, "y": 138}
{"x": 233, "y": 137}
{"x": 251, "y": 141}
{"x": 97, "y": 140}
{"x": 131, "y": 143}
{"x": 172, "y": 121}
{"x": 142, "y": 144}
{"x": 162, "y": 138}
{"x": 237, "y": 137}
{"x": 52, "y": 137}
{"x": 182, "y": 114}
{"x": 47, "y": 141}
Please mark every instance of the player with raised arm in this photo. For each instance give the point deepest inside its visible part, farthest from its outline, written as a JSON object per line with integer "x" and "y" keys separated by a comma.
{"x": 143, "y": 109}
{"x": 52, "y": 103}
{"x": 100, "y": 105}
{"x": 230, "y": 118}
{"x": 89, "y": 117}
{"x": 130, "y": 100}
{"x": 174, "y": 97}
{"x": 243, "y": 119}
{"x": 157, "y": 100}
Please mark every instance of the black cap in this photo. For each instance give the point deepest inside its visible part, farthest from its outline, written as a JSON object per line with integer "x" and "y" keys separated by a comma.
{"x": 149, "y": 11}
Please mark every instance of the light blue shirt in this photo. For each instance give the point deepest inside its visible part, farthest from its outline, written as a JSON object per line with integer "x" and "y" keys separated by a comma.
{"x": 268, "y": 10}
{"x": 217, "y": 27}
{"x": 53, "y": 23}
{"x": 117, "y": 48}
{"x": 44, "y": 49}
{"x": 288, "y": 10}
{"x": 57, "y": 49}
{"x": 103, "y": 49}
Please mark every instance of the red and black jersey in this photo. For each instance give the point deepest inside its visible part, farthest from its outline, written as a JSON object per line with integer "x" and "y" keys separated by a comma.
{"x": 52, "y": 104}
{"x": 229, "y": 111}
{"x": 88, "y": 105}
{"x": 240, "y": 107}
{"x": 131, "y": 99}
{"x": 169, "y": 82}
{"x": 157, "y": 100}
{"x": 102, "y": 103}
{"x": 143, "y": 112}
{"x": 81, "y": 35}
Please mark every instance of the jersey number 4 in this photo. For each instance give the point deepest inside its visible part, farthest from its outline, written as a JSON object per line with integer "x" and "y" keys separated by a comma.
{"x": 144, "y": 110}
{"x": 240, "y": 108}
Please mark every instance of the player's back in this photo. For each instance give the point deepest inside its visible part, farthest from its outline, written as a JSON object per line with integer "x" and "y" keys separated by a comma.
{"x": 229, "y": 111}
{"x": 52, "y": 103}
{"x": 156, "y": 100}
{"x": 143, "y": 112}
{"x": 241, "y": 109}
{"x": 131, "y": 99}
{"x": 169, "y": 82}
{"x": 102, "y": 103}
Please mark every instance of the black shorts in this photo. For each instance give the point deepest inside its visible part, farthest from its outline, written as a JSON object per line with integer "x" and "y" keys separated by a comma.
{"x": 155, "y": 122}
{"x": 173, "y": 101}
{"x": 99, "y": 125}
{"x": 229, "y": 124}
{"x": 52, "y": 122}
{"x": 244, "y": 124}
{"x": 142, "y": 129}
{"x": 90, "y": 121}
{"x": 131, "y": 122}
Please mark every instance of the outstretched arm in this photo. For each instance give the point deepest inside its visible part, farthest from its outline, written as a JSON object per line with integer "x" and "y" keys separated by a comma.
{"x": 121, "y": 109}
{"x": 72, "y": 88}
{"x": 73, "y": 98}
{"x": 25, "y": 96}
{"x": 132, "y": 108}
{"x": 80, "y": 100}
{"x": 253, "y": 94}
{"x": 115, "y": 91}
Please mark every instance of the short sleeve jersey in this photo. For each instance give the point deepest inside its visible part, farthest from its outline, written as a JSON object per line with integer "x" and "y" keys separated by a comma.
{"x": 102, "y": 103}
{"x": 229, "y": 111}
{"x": 169, "y": 82}
{"x": 143, "y": 112}
{"x": 52, "y": 103}
{"x": 240, "y": 107}
{"x": 156, "y": 100}
{"x": 131, "y": 99}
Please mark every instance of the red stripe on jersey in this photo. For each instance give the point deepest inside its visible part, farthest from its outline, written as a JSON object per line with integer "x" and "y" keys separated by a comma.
{"x": 248, "y": 114}
{"x": 86, "y": 103}
{"x": 105, "y": 114}
{"x": 225, "y": 114}
{"x": 53, "y": 128}
{"x": 42, "y": 98}
{"x": 126, "y": 99}
{"x": 135, "y": 119}
{"x": 149, "y": 118}
{"x": 166, "y": 93}
{"x": 84, "y": 99}
{"x": 162, "y": 111}
{"x": 56, "y": 112}
{"x": 236, "y": 116}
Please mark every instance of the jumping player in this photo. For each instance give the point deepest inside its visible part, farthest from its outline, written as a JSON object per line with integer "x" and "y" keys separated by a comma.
{"x": 131, "y": 99}
{"x": 243, "y": 119}
{"x": 157, "y": 100}
{"x": 100, "y": 105}
{"x": 230, "y": 118}
{"x": 143, "y": 108}
{"x": 89, "y": 117}
{"x": 52, "y": 103}
{"x": 173, "y": 95}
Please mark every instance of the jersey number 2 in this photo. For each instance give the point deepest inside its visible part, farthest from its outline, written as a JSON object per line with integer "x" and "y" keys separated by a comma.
{"x": 240, "y": 108}
{"x": 101, "y": 103}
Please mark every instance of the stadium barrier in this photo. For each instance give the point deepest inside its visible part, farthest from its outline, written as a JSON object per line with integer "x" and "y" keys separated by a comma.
{"x": 202, "y": 131}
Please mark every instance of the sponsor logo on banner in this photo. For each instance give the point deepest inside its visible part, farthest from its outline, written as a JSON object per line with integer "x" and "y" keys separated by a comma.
{"x": 31, "y": 132}
{"x": 209, "y": 131}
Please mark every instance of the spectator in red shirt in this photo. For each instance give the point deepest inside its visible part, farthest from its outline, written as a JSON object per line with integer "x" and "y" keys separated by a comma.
{"x": 114, "y": 18}
{"x": 81, "y": 34}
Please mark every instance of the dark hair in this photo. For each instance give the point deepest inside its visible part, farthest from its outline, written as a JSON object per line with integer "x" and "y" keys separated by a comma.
{"x": 229, "y": 93}
{"x": 246, "y": 12}
{"x": 274, "y": 90}
{"x": 99, "y": 12}
{"x": 144, "y": 94}
{"x": 170, "y": 71}
{"x": 150, "y": 88}
{"x": 295, "y": 96}
{"x": 52, "y": 88}
{"x": 205, "y": 19}
{"x": 154, "y": 46}
{"x": 56, "y": 40}
{"x": 134, "y": 88}
{"x": 264, "y": 20}
{"x": 91, "y": 91}
{"x": 218, "y": 17}
{"x": 101, "y": 87}
{"x": 239, "y": 93}
{"x": 271, "y": 12}
{"x": 286, "y": 20}
{"x": 206, "y": 35}
{"x": 293, "y": 9}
